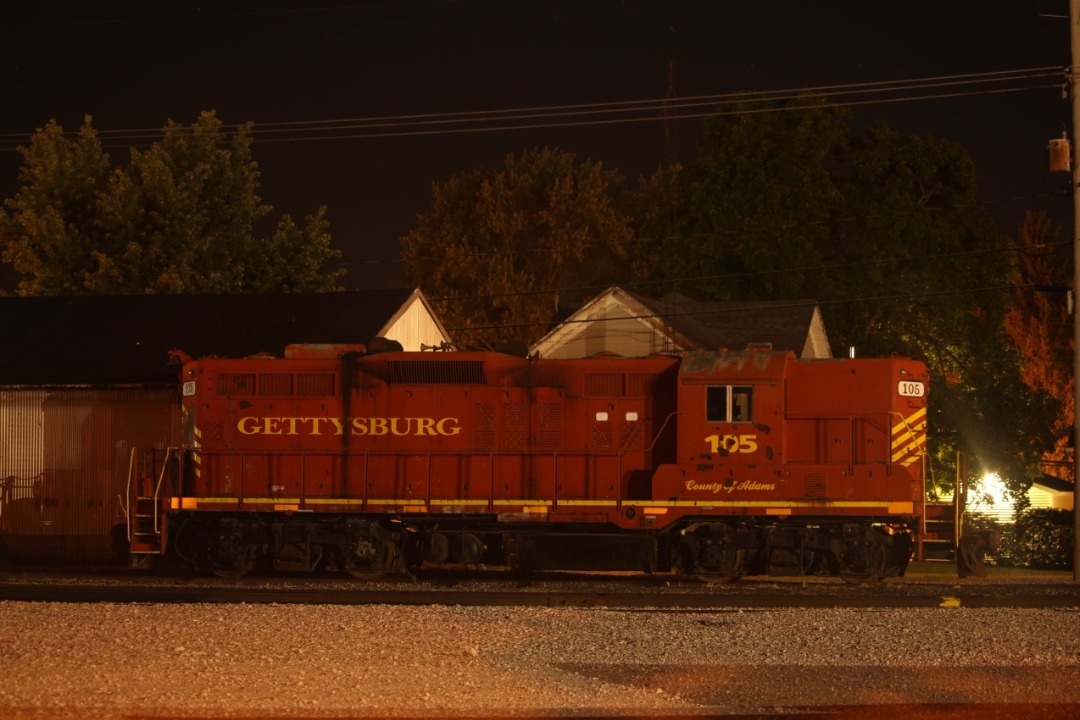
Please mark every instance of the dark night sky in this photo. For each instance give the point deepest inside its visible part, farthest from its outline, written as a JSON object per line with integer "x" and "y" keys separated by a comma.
{"x": 135, "y": 65}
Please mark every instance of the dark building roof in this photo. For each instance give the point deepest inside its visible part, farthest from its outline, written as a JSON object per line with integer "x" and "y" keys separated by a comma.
{"x": 1053, "y": 483}
{"x": 126, "y": 339}
{"x": 735, "y": 325}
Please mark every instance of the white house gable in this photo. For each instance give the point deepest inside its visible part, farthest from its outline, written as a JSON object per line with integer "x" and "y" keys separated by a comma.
{"x": 415, "y": 326}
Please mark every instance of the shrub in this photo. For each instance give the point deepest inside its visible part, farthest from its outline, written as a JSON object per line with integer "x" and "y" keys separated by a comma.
{"x": 1040, "y": 539}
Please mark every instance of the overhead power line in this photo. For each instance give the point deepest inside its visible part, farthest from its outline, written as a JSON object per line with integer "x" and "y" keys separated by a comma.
{"x": 619, "y": 112}
{"x": 754, "y": 273}
{"x": 721, "y": 311}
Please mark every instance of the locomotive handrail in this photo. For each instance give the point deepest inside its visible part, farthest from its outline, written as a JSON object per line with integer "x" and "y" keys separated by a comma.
{"x": 161, "y": 478}
{"x": 127, "y": 493}
{"x": 660, "y": 432}
{"x": 156, "y": 494}
{"x": 911, "y": 430}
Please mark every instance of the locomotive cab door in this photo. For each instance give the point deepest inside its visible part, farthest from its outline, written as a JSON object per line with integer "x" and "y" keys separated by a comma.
{"x": 731, "y": 409}
{"x": 718, "y": 423}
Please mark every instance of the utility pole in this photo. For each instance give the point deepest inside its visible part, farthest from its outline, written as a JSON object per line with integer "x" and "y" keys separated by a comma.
{"x": 671, "y": 155}
{"x": 1074, "y": 41}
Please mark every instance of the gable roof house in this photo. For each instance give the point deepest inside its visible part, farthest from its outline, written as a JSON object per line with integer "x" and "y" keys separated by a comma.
{"x": 623, "y": 323}
{"x": 83, "y": 380}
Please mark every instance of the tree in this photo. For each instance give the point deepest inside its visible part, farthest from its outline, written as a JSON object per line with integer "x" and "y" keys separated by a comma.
{"x": 915, "y": 236}
{"x": 179, "y": 218}
{"x": 1039, "y": 326}
{"x": 652, "y": 208}
{"x": 884, "y": 230}
{"x": 495, "y": 246}
{"x": 758, "y": 203}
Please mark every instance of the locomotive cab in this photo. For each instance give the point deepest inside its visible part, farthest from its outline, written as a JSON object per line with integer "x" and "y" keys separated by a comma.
{"x": 730, "y": 436}
{"x": 811, "y": 466}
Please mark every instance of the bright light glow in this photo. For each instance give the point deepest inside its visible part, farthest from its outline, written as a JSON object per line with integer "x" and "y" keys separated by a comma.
{"x": 989, "y": 493}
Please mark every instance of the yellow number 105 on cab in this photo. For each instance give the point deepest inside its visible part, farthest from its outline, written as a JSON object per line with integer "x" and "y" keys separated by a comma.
{"x": 727, "y": 444}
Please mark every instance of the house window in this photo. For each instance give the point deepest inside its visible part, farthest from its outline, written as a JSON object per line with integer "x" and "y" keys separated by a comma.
{"x": 729, "y": 403}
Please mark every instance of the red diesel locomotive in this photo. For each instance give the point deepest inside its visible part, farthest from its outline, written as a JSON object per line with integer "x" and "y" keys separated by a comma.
{"x": 713, "y": 464}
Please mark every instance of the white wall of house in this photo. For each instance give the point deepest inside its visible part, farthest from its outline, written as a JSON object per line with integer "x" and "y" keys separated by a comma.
{"x": 613, "y": 322}
{"x": 995, "y": 505}
{"x": 415, "y": 326}
{"x": 817, "y": 342}
{"x": 621, "y": 335}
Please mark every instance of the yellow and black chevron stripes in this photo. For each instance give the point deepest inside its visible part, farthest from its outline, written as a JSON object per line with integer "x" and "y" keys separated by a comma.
{"x": 909, "y": 438}
{"x": 195, "y": 457}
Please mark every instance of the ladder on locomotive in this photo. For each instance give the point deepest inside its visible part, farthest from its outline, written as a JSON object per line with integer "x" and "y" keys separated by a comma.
{"x": 145, "y": 529}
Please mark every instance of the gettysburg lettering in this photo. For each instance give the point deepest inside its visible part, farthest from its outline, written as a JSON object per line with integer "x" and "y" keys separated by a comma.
{"x": 354, "y": 426}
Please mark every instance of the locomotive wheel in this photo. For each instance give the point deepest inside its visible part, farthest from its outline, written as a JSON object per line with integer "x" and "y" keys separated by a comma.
{"x": 970, "y": 556}
{"x": 434, "y": 547}
{"x": 682, "y": 561}
{"x": 872, "y": 571}
{"x": 386, "y": 563}
{"x": 708, "y": 557}
{"x": 230, "y": 558}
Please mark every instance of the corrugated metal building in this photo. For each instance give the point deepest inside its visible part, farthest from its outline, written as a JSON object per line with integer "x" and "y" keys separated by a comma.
{"x": 83, "y": 380}
{"x": 64, "y": 465}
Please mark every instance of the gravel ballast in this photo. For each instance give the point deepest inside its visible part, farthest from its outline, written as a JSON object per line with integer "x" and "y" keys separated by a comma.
{"x": 107, "y": 660}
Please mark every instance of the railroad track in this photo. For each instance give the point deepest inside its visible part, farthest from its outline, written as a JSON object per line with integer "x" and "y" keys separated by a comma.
{"x": 483, "y": 590}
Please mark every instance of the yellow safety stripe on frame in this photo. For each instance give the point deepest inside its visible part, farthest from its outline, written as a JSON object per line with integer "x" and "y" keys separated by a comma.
{"x": 588, "y": 503}
{"x": 895, "y": 508}
{"x": 482, "y": 502}
{"x": 649, "y": 507}
{"x": 477, "y": 502}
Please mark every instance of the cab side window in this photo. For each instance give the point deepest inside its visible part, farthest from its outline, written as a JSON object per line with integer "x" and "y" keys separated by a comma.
{"x": 742, "y": 404}
{"x": 729, "y": 403}
{"x": 716, "y": 404}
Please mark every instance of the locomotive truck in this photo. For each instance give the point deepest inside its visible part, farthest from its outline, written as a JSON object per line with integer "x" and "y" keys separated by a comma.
{"x": 712, "y": 464}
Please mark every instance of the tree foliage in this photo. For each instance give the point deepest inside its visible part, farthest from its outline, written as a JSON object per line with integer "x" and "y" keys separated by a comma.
{"x": 757, "y": 204}
{"x": 1038, "y": 324}
{"x": 180, "y": 217}
{"x": 918, "y": 242}
{"x": 884, "y": 230}
{"x": 496, "y": 245}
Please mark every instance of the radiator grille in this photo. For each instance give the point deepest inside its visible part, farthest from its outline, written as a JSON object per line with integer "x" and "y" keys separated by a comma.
{"x": 235, "y": 384}
{"x": 516, "y": 425}
{"x": 275, "y": 384}
{"x": 315, "y": 384}
{"x": 601, "y": 435}
{"x": 816, "y": 487}
{"x": 551, "y": 425}
{"x": 437, "y": 372}
{"x": 484, "y": 425}
{"x": 605, "y": 384}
